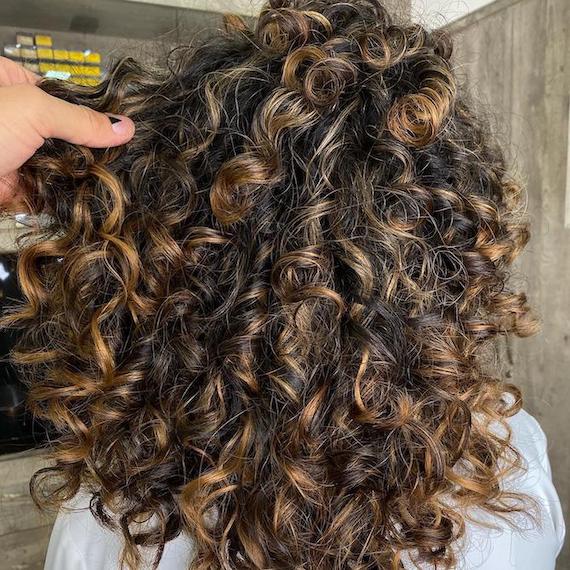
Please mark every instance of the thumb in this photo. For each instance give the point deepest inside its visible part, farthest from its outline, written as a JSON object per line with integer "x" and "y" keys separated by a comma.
{"x": 78, "y": 124}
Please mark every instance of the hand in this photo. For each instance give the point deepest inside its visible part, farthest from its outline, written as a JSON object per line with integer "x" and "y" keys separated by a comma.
{"x": 29, "y": 115}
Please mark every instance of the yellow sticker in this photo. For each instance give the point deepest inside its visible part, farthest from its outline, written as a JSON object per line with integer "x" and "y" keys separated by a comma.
{"x": 60, "y": 54}
{"x": 91, "y": 70}
{"x": 44, "y": 53}
{"x": 76, "y": 56}
{"x": 93, "y": 57}
{"x": 45, "y": 67}
{"x": 63, "y": 67}
{"x": 43, "y": 40}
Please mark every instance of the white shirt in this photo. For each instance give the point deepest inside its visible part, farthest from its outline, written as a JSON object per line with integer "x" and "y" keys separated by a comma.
{"x": 79, "y": 542}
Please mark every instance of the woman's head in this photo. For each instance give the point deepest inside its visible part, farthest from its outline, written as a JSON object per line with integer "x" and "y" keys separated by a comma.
{"x": 274, "y": 303}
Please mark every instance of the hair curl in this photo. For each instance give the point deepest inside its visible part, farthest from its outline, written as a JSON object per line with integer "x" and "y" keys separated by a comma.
{"x": 274, "y": 302}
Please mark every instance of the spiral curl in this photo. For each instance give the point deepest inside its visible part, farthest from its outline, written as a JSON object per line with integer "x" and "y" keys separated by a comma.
{"x": 264, "y": 321}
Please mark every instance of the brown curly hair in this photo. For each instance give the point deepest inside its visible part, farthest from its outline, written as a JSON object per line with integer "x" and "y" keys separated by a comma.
{"x": 276, "y": 303}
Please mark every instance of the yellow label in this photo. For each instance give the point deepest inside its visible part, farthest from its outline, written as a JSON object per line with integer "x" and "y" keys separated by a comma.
{"x": 45, "y": 67}
{"x": 93, "y": 57}
{"x": 63, "y": 67}
{"x": 86, "y": 81}
{"x": 76, "y": 56}
{"x": 60, "y": 54}
{"x": 91, "y": 70}
{"x": 43, "y": 41}
{"x": 44, "y": 53}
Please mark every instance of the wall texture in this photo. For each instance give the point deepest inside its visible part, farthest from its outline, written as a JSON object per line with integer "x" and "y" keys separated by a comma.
{"x": 24, "y": 531}
{"x": 516, "y": 55}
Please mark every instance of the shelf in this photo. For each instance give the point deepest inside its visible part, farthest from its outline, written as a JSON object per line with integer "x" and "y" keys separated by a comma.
{"x": 150, "y": 19}
{"x": 31, "y": 454}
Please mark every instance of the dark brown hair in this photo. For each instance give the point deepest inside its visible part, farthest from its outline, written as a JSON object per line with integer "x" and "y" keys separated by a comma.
{"x": 276, "y": 302}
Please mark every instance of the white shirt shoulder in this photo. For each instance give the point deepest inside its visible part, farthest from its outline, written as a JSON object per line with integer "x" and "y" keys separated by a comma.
{"x": 79, "y": 542}
{"x": 534, "y": 544}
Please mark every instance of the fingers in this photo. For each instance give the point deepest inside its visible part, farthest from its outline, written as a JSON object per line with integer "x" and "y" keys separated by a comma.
{"x": 11, "y": 73}
{"x": 55, "y": 118}
{"x": 80, "y": 125}
{"x": 8, "y": 187}
{"x": 12, "y": 195}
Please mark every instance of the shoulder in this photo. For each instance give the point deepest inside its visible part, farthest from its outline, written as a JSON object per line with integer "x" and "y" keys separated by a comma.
{"x": 529, "y": 438}
{"x": 80, "y": 542}
{"x": 535, "y": 477}
{"x": 489, "y": 542}
{"x": 534, "y": 544}
{"x": 77, "y": 538}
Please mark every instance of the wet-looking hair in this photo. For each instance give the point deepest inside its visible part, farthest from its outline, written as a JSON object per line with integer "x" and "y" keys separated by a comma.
{"x": 276, "y": 304}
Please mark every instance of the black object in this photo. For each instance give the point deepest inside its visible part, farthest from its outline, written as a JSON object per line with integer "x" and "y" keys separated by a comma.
{"x": 18, "y": 429}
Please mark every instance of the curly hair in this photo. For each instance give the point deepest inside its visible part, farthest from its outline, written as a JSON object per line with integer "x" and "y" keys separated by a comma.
{"x": 275, "y": 305}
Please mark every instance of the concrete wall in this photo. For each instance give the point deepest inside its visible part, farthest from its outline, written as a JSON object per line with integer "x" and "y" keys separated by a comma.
{"x": 24, "y": 531}
{"x": 116, "y": 18}
{"x": 516, "y": 54}
{"x": 437, "y": 13}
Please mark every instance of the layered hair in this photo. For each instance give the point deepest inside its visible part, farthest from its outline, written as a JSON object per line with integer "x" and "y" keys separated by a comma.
{"x": 276, "y": 303}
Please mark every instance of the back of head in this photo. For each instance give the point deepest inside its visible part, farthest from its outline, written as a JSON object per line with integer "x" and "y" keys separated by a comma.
{"x": 273, "y": 303}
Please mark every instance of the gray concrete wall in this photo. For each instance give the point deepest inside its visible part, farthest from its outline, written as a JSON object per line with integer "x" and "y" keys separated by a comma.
{"x": 516, "y": 54}
{"x": 115, "y": 18}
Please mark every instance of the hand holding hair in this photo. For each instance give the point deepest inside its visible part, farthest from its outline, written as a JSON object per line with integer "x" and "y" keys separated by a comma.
{"x": 29, "y": 116}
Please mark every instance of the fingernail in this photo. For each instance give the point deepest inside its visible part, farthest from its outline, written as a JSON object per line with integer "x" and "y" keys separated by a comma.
{"x": 117, "y": 124}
